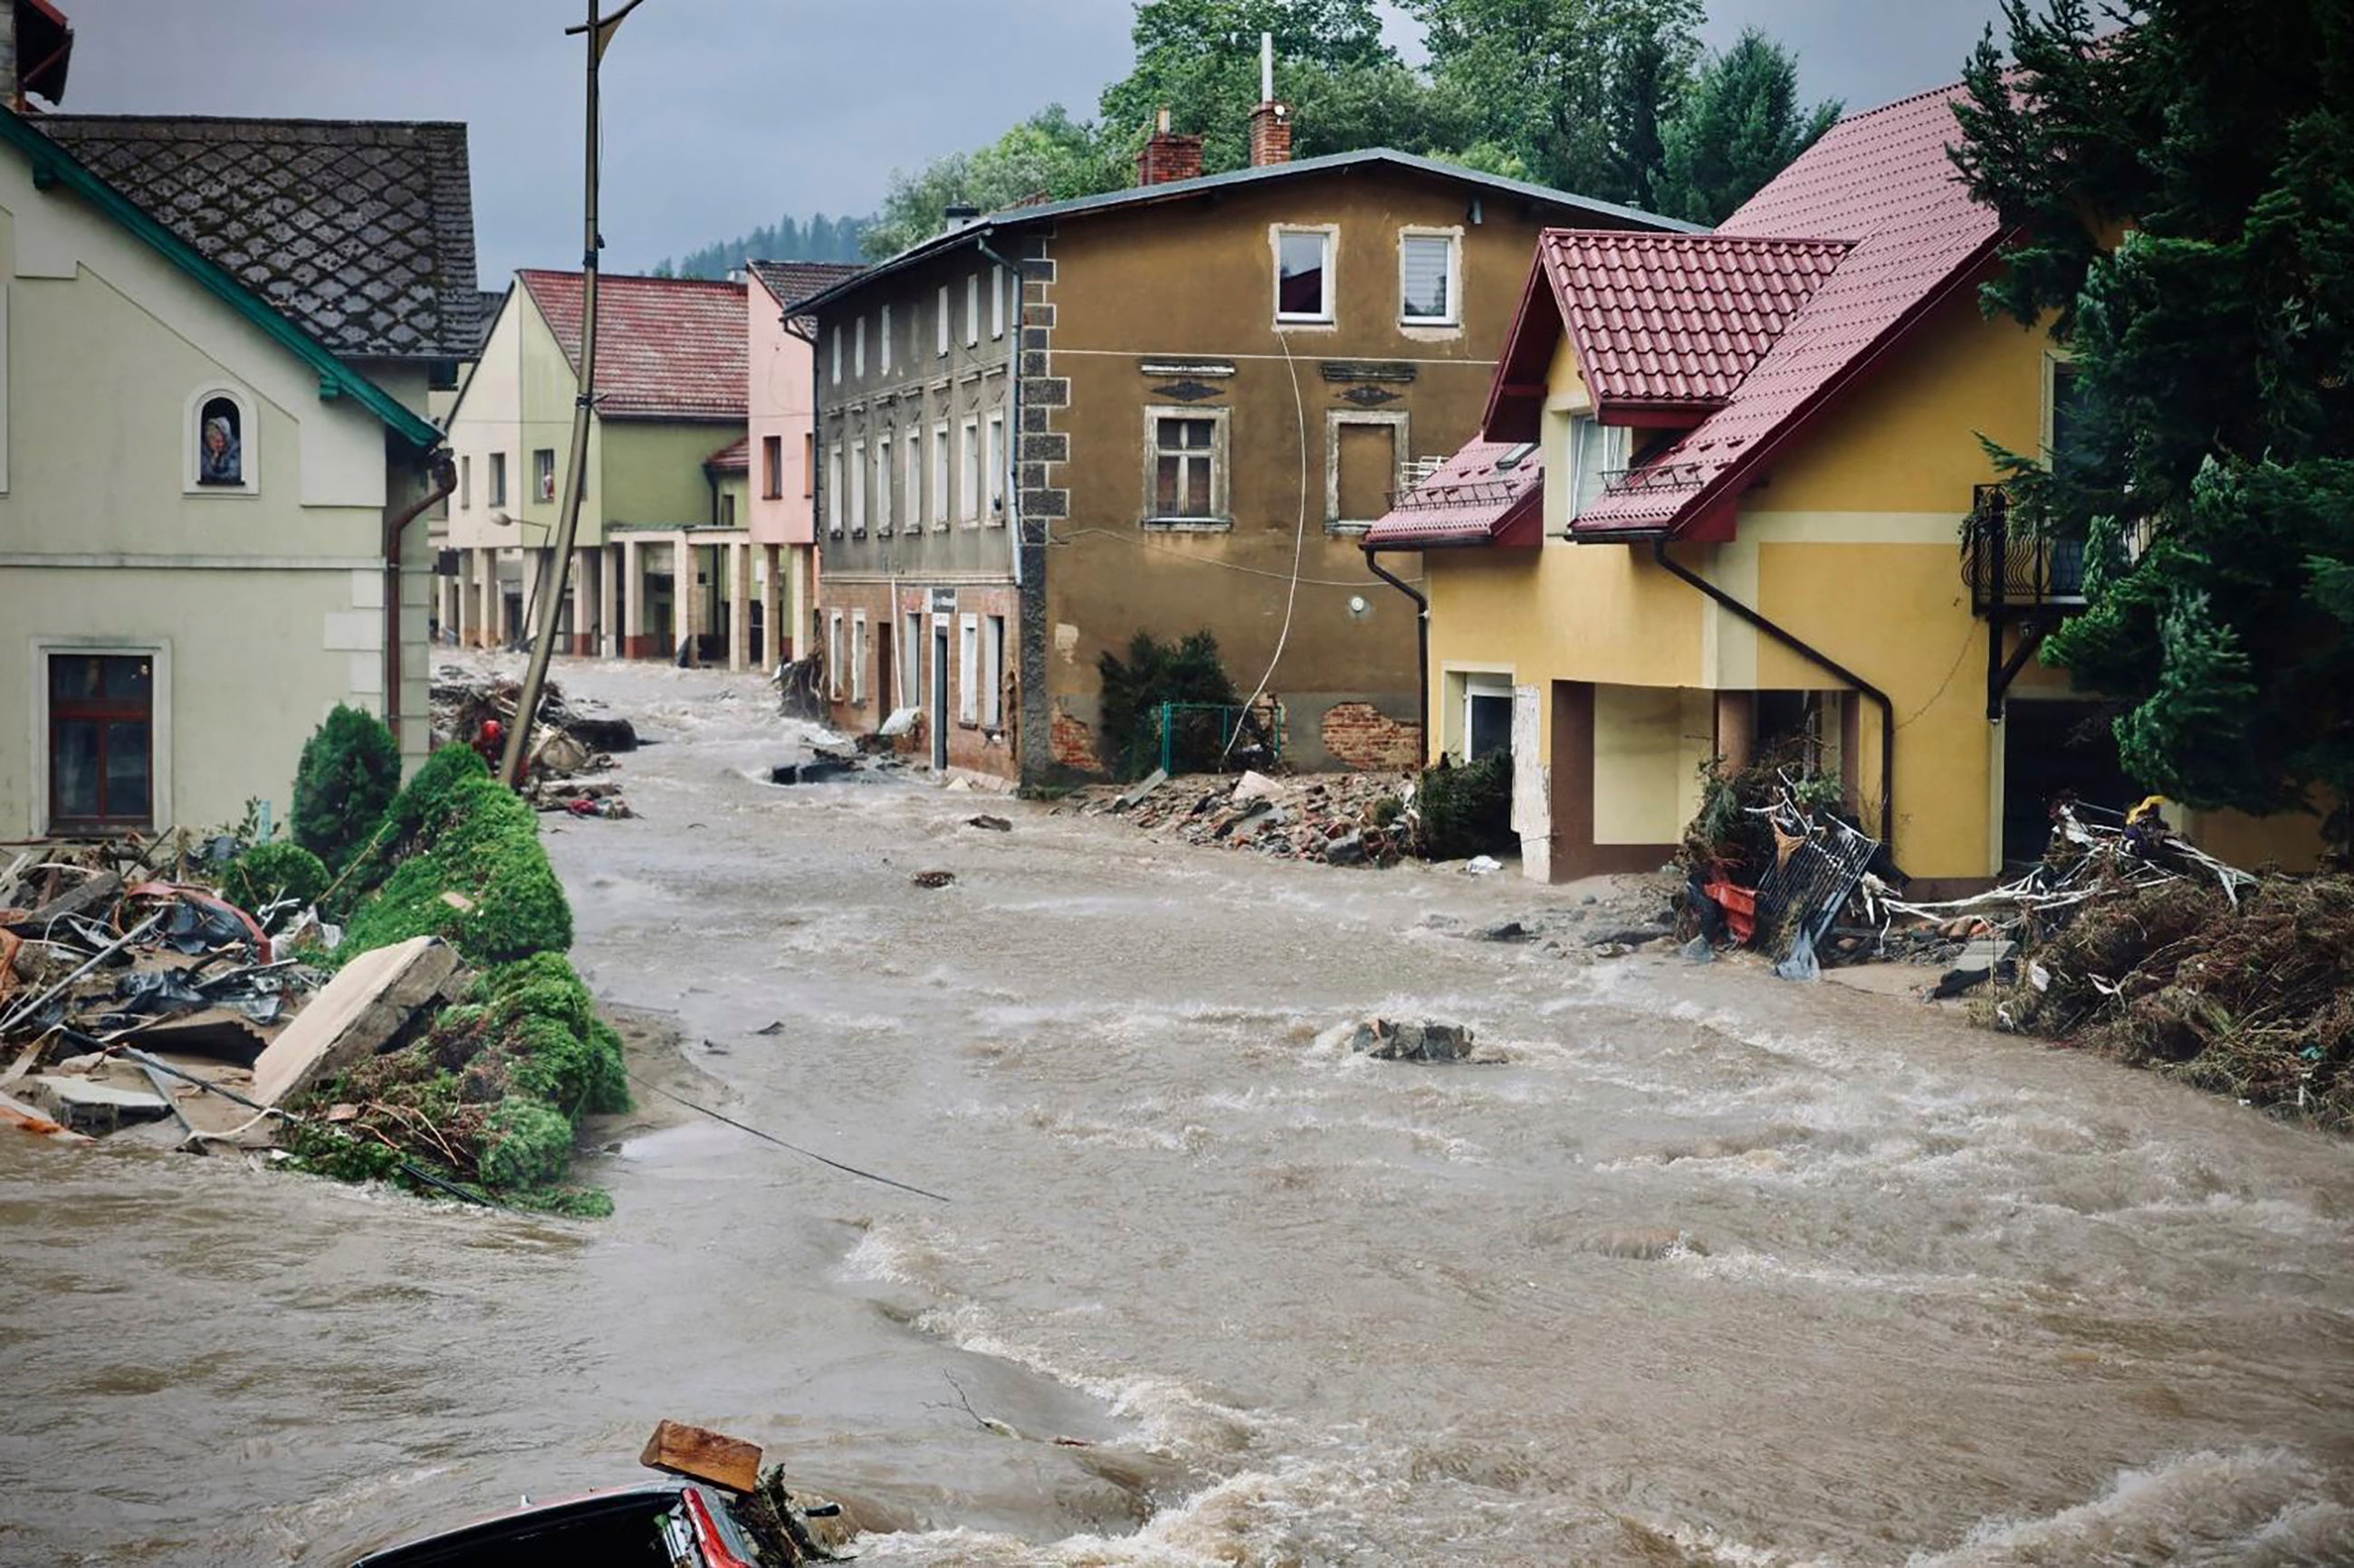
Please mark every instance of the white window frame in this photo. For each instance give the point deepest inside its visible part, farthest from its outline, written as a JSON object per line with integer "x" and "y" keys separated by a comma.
{"x": 943, "y": 323}
{"x": 834, "y": 335}
{"x": 911, "y": 658}
{"x": 858, "y": 658}
{"x": 913, "y": 440}
{"x": 969, "y": 479}
{"x": 833, "y": 490}
{"x": 972, "y": 309}
{"x": 1221, "y": 517}
{"x": 1331, "y": 234}
{"x": 833, "y": 655}
{"x": 858, "y": 349}
{"x": 249, "y": 441}
{"x": 857, "y": 488}
{"x": 1478, "y": 686}
{"x": 465, "y": 475}
{"x": 543, "y": 485}
{"x": 159, "y": 719}
{"x": 1453, "y": 240}
{"x": 498, "y": 482}
{"x": 941, "y": 474}
{"x": 992, "y": 674}
{"x": 992, "y": 462}
{"x": 996, "y": 302}
{"x": 885, "y": 346}
{"x": 969, "y": 670}
{"x": 1401, "y": 427}
{"x": 1617, "y": 444}
{"x": 883, "y": 484}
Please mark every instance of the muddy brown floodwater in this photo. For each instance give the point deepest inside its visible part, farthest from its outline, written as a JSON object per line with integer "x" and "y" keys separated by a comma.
{"x": 1711, "y": 1269}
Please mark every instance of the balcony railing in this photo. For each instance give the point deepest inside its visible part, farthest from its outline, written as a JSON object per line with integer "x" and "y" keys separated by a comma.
{"x": 2008, "y": 566}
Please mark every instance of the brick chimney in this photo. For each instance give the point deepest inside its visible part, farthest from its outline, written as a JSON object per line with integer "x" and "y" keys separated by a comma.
{"x": 1271, "y": 122}
{"x": 1168, "y": 156}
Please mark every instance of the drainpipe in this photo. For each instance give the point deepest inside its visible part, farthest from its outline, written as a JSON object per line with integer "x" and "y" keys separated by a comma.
{"x": 1887, "y": 709}
{"x": 1010, "y": 456}
{"x": 444, "y": 471}
{"x": 791, "y": 323}
{"x": 1422, "y": 640}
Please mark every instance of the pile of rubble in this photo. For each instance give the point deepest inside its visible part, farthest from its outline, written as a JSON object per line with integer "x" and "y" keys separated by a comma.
{"x": 572, "y": 742}
{"x": 1348, "y": 819}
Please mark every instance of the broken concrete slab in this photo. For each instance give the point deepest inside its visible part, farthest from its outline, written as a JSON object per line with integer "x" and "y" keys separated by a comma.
{"x": 93, "y": 1105}
{"x": 1393, "y": 1040}
{"x": 367, "y": 1006}
{"x": 1145, "y": 785}
{"x": 29, "y": 1118}
{"x": 1258, "y": 786}
{"x": 91, "y": 896}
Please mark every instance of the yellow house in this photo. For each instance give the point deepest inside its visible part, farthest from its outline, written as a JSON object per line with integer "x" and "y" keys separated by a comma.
{"x": 204, "y": 544}
{"x": 1766, "y": 516}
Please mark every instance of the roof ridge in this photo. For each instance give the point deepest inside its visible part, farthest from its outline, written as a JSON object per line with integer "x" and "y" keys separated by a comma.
{"x": 303, "y": 120}
{"x": 605, "y": 276}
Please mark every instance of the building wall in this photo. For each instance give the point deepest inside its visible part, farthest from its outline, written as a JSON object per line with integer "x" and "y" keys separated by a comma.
{"x": 261, "y": 609}
{"x": 1210, "y": 342}
{"x": 782, "y": 404}
{"x": 876, "y": 678}
{"x": 652, "y": 474}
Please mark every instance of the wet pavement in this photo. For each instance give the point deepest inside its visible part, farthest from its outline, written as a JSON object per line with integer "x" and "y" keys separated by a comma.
{"x": 1707, "y": 1269}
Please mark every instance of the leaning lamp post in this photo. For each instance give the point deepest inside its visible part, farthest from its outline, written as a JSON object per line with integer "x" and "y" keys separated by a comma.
{"x": 598, "y": 31}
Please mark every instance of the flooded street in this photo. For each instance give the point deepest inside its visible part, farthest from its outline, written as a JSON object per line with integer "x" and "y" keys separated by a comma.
{"x": 1710, "y": 1269}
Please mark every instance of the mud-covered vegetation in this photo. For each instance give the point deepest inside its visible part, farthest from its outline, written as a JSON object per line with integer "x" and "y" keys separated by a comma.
{"x": 1465, "y": 809}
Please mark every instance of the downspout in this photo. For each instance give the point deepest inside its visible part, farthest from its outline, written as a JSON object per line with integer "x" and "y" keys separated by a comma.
{"x": 444, "y": 472}
{"x": 1887, "y": 708}
{"x": 791, "y": 325}
{"x": 1014, "y": 406}
{"x": 1422, "y": 640}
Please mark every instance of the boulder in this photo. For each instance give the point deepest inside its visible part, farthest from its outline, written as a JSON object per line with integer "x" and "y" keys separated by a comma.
{"x": 1395, "y": 1040}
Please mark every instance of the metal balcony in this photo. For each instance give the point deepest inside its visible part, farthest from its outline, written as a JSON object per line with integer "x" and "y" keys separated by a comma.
{"x": 2011, "y": 569}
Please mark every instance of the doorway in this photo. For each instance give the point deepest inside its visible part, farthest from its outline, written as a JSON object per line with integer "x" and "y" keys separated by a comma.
{"x": 2049, "y": 746}
{"x": 940, "y": 694}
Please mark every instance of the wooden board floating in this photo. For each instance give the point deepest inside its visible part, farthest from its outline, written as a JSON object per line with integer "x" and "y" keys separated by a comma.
{"x": 701, "y": 1455}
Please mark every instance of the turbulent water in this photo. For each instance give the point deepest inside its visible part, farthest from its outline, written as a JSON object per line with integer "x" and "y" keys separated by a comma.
{"x": 1707, "y": 1269}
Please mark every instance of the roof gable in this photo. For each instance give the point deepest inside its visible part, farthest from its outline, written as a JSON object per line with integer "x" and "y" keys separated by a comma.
{"x": 791, "y": 283}
{"x": 361, "y": 231}
{"x": 666, "y": 347}
{"x": 54, "y": 166}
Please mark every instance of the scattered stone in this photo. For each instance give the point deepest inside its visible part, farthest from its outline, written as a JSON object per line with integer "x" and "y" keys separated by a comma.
{"x": 1698, "y": 951}
{"x": 1390, "y": 1040}
{"x": 1508, "y": 931}
{"x": 933, "y": 878}
{"x": 993, "y": 824}
{"x": 1349, "y": 849}
{"x": 1630, "y": 937}
{"x": 1145, "y": 785}
{"x": 1257, "y": 787}
{"x": 1483, "y": 866}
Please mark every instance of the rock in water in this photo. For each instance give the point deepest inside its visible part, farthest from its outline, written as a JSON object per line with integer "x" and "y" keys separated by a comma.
{"x": 1391, "y": 1040}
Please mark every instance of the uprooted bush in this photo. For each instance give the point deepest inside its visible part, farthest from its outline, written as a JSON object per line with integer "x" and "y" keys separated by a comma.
{"x": 1155, "y": 672}
{"x": 1466, "y": 809}
{"x": 492, "y": 1094}
{"x": 457, "y": 856}
{"x": 2255, "y": 1001}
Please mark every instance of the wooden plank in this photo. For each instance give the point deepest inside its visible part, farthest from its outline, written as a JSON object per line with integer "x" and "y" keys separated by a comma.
{"x": 701, "y": 1455}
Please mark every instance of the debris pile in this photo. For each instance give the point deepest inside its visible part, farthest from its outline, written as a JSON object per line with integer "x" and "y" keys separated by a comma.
{"x": 1348, "y": 818}
{"x": 1410, "y": 1040}
{"x": 572, "y": 741}
{"x": 1773, "y": 862}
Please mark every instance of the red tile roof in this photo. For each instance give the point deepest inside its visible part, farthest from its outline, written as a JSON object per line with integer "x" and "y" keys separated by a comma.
{"x": 666, "y": 347}
{"x": 1472, "y": 499}
{"x": 736, "y": 457}
{"x": 1677, "y": 319}
{"x": 1880, "y": 182}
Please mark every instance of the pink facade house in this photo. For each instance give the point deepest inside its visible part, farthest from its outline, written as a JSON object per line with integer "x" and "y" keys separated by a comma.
{"x": 781, "y": 400}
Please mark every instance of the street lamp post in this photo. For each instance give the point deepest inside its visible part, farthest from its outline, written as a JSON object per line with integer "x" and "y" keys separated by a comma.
{"x": 600, "y": 33}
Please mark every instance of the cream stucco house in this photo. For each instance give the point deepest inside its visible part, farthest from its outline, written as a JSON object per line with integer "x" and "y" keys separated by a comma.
{"x": 198, "y": 483}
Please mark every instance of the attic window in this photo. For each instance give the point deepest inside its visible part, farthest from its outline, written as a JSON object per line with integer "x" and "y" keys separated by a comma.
{"x": 1517, "y": 456}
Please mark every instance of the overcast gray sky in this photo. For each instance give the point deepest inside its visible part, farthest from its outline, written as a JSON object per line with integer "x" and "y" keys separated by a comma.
{"x": 721, "y": 115}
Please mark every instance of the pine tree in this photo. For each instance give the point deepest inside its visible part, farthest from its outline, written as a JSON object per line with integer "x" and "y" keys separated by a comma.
{"x": 1740, "y": 125}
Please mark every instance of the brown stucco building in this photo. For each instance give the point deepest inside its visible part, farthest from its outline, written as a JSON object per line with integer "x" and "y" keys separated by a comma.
{"x": 1171, "y": 409}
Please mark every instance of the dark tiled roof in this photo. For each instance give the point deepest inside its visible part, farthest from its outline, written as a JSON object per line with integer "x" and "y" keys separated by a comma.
{"x": 1473, "y": 499}
{"x": 361, "y": 232}
{"x": 736, "y": 457}
{"x": 1880, "y": 182}
{"x": 488, "y": 301}
{"x": 791, "y": 283}
{"x": 666, "y": 347}
{"x": 1677, "y": 319}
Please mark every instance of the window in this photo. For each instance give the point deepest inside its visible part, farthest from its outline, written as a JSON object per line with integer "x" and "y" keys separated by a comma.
{"x": 992, "y": 458}
{"x": 220, "y": 440}
{"x": 543, "y": 474}
{"x": 858, "y": 364}
{"x": 2060, "y": 410}
{"x": 1486, "y": 717}
{"x": 968, "y": 471}
{"x": 883, "y": 484}
{"x": 1596, "y": 453}
{"x": 772, "y": 467}
{"x": 997, "y": 302}
{"x": 834, "y": 654}
{"x": 913, "y": 440}
{"x": 992, "y": 689}
{"x": 834, "y": 337}
{"x": 911, "y": 660}
{"x": 1426, "y": 285}
{"x": 727, "y": 509}
{"x": 942, "y": 322}
{"x": 498, "y": 478}
{"x": 968, "y": 669}
{"x": 941, "y": 474}
{"x": 1363, "y": 456}
{"x": 885, "y": 345}
{"x": 833, "y": 490}
{"x": 971, "y": 309}
{"x": 1303, "y": 275}
{"x": 858, "y": 487}
{"x": 102, "y": 740}
{"x": 858, "y": 657}
{"x": 465, "y": 483}
{"x": 1184, "y": 478}
{"x": 808, "y": 464}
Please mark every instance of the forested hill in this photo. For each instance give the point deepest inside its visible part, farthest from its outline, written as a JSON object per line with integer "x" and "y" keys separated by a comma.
{"x": 815, "y": 238}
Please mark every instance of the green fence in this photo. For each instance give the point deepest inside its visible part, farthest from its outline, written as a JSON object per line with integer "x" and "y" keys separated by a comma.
{"x": 1209, "y": 737}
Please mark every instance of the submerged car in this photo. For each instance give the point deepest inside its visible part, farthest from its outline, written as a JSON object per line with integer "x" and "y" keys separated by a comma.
{"x": 674, "y": 1525}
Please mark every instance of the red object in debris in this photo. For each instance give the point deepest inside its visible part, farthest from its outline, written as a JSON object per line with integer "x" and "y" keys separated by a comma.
{"x": 1740, "y": 907}
{"x": 583, "y": 808}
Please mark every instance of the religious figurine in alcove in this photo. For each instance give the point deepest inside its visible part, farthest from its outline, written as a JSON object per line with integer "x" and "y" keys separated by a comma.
{"x": 218, "y": 458}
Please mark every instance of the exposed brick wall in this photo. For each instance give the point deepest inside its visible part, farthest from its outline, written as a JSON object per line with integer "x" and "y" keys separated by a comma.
{"x": 1361, "y": 736}
{"x": 1074, "y": 743}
